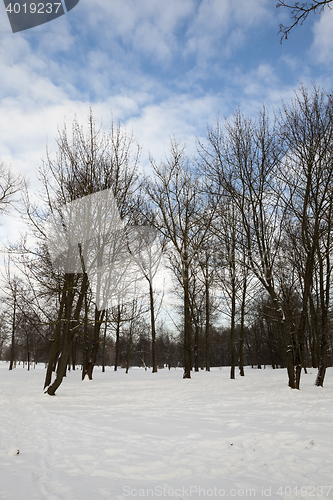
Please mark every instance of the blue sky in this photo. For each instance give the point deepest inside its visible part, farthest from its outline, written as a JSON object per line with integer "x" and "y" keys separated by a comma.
{"x": 163, "y": 68}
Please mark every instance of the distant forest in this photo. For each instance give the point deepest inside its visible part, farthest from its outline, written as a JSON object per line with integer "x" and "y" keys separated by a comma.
{"x": 245, "y": 229}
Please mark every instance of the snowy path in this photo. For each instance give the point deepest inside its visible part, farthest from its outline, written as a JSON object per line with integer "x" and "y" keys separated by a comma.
{"x": 145, "y": 435}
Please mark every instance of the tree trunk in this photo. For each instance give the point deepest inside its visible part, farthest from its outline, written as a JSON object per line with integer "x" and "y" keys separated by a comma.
{"x": 313, "y": 340}
{"x": 257, "y": 344}
{"x": 69, "y": 332}
{"x": 299, "y": 350}
{"x": 57, "y": 334}
{"x": 196, "y": 345}
{"x": 12, "y": 347}
{"x": 104, "y": 342}
{"x": 288, "y": 338}
{"x": 153, "y": 330}
{"x": 85, "y": 338}
{"x": 129, "y": 345}
{"x": 270, "y": 346}
{"x": 302, "y": 323}
{"x": 187, "y": 322}
{"x": 99, "y": 316}
{"x": 324, "y": 300}
{"x": 232, "y": 332}
{"x": 207, "y": 323}
{"x": 116, "y": 360}
{"x": 74, "y": 353}
{"x": 241, "y": 339}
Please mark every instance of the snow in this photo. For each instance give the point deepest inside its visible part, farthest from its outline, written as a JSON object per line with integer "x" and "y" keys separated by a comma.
{"x": 145, "y": 435}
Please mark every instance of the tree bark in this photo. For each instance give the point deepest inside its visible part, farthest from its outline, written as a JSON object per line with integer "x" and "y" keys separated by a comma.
{"x": 196, "y": 345}
{"x": 69, "y": 332}
{"x": 129, "y": 346}
{"x": 241, "y": 339}
{"x": 187, "y": 322}
{"x": 12, "y": 347}
{"x": 85, "y": 338}
{"x": 153, "y": 329}
{"x": 324, "y": 301}
{"x": 99, "y": 317}
{"x": 207, "y": 347}
{"x": 104, "y": 342}
{"x": 233, "y": 313}
{"x": 116, "y": 361}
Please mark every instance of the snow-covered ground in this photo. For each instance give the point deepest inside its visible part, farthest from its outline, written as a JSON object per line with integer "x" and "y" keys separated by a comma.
{"x": 145, "y": 435}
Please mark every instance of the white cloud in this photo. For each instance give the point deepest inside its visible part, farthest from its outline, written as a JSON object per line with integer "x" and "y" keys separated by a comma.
{"x": 322, "y": 47}
{"x": 181, "y": 116}
{"x": 146, "y": 61}
{"x": 147, "y": 26}
{"x": 227, "y": 20}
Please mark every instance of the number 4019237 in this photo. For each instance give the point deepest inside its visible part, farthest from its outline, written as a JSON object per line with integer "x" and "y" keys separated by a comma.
{"x": 33, "y": 8}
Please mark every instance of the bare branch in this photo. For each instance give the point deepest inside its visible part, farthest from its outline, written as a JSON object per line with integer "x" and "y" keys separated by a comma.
{"x": 299, "y": 13}
{"x": 10, "y": 185}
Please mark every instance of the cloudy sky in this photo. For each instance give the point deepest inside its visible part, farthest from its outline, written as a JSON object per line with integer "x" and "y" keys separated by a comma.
{"x": 164, "y": 68}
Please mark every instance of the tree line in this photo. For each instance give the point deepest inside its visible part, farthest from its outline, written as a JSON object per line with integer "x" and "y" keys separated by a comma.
{"x": 244, "y": 229}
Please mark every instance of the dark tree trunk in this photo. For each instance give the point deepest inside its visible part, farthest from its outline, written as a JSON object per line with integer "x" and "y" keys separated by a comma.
{"x": 99, "y": 317}
{"x": 288, "y": 337}
{"x": 196, "y": 345}
{"x": 232, "y": 332}
{"x": 187, "y": 322}
{"x": 299, "y": 350}
{"x": 270, "y": 346}
{"x": 324, "y": 301}
{"x": 290, "y": 361}
{"x": 313, "y": 338}
{"x": 74, "y": 353}
{"x": 250, "y": 353}
{"x": 54, "y": 354}
{"x": 129, "y": 347}
{"x": 12, "y": 347}
{"x": 104, "y": 342}
{"x": 116, "y": 361}
{"x": 207, "y": 348}
{"x": 306, "y": 293}
{"x": 153, "y": 329}
{"x": 323, "y": 360}
{"x": 258, "y": 344}
{"x": 85, "y": 338}
{"x": 69, "y": 332}
{"x": 241, "y": 339}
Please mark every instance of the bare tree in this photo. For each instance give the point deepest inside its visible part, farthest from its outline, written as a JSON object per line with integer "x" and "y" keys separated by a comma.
{"x": 12, "y": 289}
{"x": 178, "y": 214}
{"x": 244, "y": 160}
{"x": 117, "y": 317}
{"x": 208, "y": 272}
{"x": 10, "y": 185}
{"x": 4, "y": 334}
{"x": 74, "y": 219}
{"x": 227, "y": 228}
{"x": 147, "y": 253}
{"x": 14, "y": 292}
{"x": 306, "y": 128}
{"x": 136, "y": 309}
{"x": 299, "y": 11}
